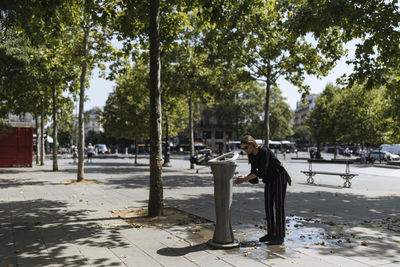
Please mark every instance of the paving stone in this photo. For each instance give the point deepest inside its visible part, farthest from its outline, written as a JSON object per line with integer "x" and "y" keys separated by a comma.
{"x": 149, "y": 240}
{"x": 100, "y": 256}
{"x": 71, "y": 225}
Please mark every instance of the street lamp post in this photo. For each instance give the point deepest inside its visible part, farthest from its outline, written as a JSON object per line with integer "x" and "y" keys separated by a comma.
{"x": 166, "y": 163}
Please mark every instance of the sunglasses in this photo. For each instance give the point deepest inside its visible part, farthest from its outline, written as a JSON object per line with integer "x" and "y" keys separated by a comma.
{"x": 245, "y": 148}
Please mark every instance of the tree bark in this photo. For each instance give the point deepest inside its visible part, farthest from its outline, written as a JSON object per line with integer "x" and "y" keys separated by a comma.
{"x": 37, "y": 147}
{"x": 55, "y": 133}
{"x": 42, "y": 151}
{"x": 191, "y": 136}
{"x": 237, "y": 118}
{"x": 335, "y": 150}
{"x": 156, "y": 198}
{"x": 81, "y": 133}
{"x": 136, "y": 151}
{"x": 267, "y": 105}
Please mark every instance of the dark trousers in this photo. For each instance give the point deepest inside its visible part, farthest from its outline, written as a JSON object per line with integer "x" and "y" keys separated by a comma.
{"x": 274, "y": 196}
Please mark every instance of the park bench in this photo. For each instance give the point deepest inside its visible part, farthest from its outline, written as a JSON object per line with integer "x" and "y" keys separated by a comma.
{"x": 344, "y": 175}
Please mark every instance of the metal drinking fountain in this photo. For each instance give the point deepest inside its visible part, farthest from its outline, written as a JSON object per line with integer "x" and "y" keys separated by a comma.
{"x": 223, "y": 169}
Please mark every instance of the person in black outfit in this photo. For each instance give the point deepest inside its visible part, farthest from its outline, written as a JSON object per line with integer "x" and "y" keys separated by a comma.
{"x": 318, "y": 154}
{"x": 266, "y": 166}
{"x": 311, "y": 153}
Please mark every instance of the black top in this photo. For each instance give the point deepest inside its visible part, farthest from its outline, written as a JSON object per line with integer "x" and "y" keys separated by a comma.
{"x": 264, "y": 165}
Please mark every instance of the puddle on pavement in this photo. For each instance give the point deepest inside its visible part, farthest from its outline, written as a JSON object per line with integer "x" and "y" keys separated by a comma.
{"x": 248, "y": 247}
{"x": 304, "y": 232}
{"x": 300, "y": 233}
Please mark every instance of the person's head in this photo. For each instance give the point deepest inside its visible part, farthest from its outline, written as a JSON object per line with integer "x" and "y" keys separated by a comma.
{"x": 90, "y": 144}
{"x": 249, "y": 144}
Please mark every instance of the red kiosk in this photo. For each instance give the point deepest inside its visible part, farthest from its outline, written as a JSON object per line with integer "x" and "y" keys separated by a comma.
{"x": 16, "y": 147}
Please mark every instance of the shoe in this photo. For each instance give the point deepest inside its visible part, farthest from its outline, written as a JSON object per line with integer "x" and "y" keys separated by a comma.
{"x": 276, "y": 241}
{"x": 266, "y": 238}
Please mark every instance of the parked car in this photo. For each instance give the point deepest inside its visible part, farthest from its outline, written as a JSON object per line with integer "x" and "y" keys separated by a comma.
{"x": 394, "y": 149}
{"x": 383, "y": 155}
{"x": 391, "y": 156}
{"x": 101, "y": 149}
{"x": 378, "y": 155}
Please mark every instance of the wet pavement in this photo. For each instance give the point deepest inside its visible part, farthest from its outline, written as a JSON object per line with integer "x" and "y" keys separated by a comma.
{"x": 47, "y": 221}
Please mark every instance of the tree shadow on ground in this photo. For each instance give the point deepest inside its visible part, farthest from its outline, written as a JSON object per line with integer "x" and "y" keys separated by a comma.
{"x": 15, "y": 170}
{"x": 333, "y": 212}
{"x": 128, "y": 176}
{"x": 56, "y": 227}
{"x": 115, "y": 168}
{"x": 41, "y": 232}
{"x": 170, "y": 181}
{"x": 95, "y": 167}
{"x": 14, "y": 182}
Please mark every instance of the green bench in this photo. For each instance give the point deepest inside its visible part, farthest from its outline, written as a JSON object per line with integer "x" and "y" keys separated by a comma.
{"x": 347, "y": 176}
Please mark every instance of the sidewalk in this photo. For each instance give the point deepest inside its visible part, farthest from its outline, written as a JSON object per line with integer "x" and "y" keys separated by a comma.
{"x": 45, "y": 221}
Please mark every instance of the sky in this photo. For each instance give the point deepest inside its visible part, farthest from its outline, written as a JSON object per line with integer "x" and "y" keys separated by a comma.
{"x": 100, "y": 88}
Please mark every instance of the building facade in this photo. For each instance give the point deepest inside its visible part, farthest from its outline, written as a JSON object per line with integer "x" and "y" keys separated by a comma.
{"x": 92, "y": 121}
{"x": 302, "y": 109}
{"x": 213, "y": 132}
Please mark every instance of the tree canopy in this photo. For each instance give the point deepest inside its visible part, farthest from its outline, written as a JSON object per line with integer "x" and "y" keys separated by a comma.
{"x": 257, "y": 36}
{"x": 351, "y": 115}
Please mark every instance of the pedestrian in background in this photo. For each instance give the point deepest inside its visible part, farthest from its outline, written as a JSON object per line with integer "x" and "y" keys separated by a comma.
{"x": 266, "y": 166}
{"x": 90, "y": 151}
{"x": 74, "y": 153}
{"x": 363, "y": 156}
{"x": 311, "y": 153}
{"x": 318, "y": 154}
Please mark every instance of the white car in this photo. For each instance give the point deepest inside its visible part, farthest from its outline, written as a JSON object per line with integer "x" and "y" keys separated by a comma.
{"x": 394, "y": 149}
{"x": 101, "y": 149}
{"x": 391, "y": 156}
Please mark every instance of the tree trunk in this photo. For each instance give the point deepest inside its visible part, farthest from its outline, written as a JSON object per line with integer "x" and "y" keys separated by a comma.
{"x": 335, "y": 150}
{"x": 81, "y": 133}
{"x": 191, "y": 136}
{"x": 55, "y": 133}
{"x": 167, "y": 152}
{"x": 37, "y": 147}
{"x": 42, "y": 152}
{"x": 136, "y": 151}
{"x": 267, "y": 106}
{"x": 237, "y": 118}
{"x": 156, "y": 198}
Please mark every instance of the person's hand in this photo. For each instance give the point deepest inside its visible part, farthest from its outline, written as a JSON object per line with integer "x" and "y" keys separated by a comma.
{"x": 239, "y": 180}
{"x": 289, "y": 180}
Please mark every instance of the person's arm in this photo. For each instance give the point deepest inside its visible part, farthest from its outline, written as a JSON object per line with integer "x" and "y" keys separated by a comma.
{"x": 255, "y": 172}
{"x": 242, "y": 179}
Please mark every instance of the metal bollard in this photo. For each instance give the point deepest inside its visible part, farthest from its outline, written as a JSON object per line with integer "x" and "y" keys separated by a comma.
{"x": 223, "y": 170}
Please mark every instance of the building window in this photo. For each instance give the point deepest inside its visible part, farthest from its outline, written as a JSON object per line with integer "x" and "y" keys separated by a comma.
{"x": 219, "y": 134}
{"x": 206, "y": 134}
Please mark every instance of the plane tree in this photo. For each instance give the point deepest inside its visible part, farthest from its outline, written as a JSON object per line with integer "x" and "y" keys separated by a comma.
{"x": 151, "y": 26}
{"x": 374, "y": 24}
{"x": 351, "y": 115}
{"x": 257, "y": 36}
